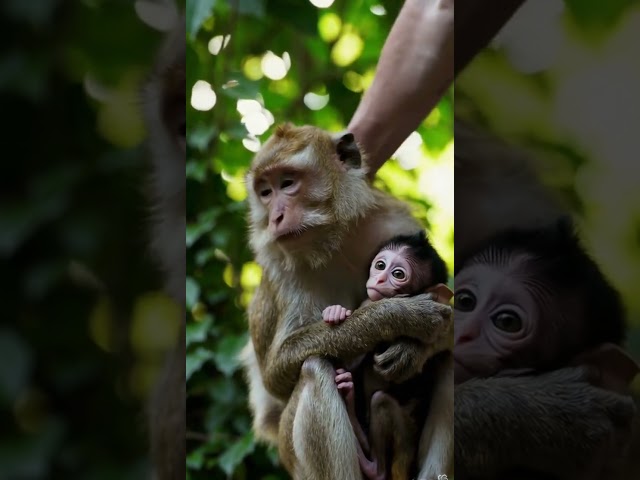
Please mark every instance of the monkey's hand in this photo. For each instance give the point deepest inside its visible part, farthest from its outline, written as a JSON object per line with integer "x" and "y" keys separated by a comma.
{"x": 406, "y": 357}
{"x": 402, "y": 360}
{"x": 335, "y": 314}
{"x": 344, "y": 382}
{"x": 548, "y": 423}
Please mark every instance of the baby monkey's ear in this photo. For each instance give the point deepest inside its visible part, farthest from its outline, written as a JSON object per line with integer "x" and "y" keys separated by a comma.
{"x": 614, "y": 367}
{"x": 440, "y": 293}
{"x": 347, "y": 150}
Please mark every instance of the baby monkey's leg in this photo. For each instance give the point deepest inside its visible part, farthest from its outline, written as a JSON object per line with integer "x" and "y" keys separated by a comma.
{"x": 344, "y": 382}
{"x": 392, "y": 436}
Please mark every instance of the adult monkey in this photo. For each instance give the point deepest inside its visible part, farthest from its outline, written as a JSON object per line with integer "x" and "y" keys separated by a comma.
{"x": 315, "y": 224}
{"x": 408, "y": 82}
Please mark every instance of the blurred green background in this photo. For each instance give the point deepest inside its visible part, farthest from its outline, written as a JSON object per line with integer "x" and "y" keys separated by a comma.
{"x": 83, "y": 325}
{"x": 561, "y": 82}
{"x": 252, "y": 64}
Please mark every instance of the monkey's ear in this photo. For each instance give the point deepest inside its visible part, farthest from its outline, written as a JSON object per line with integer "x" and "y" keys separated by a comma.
{"x": 617, "y": 368}
{"x": 441, "y": 293}
{"x": 348, "y": 151}
{"x": 283, "y": 129}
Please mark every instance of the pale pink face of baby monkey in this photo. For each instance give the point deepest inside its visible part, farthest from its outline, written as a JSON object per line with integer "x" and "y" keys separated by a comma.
{"x": 390, "y": 274}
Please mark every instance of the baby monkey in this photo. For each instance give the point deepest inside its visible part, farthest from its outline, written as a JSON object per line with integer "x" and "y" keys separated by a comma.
{"x": 404, "y": 266}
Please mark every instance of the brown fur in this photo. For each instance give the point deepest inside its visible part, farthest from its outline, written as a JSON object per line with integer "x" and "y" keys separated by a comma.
{"x": 345, "y": 220}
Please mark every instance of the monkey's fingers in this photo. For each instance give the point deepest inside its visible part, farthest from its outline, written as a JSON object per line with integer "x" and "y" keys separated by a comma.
{"x": 400, "y": 361}
{"x": 345, "y": 386}
{"x": 329, "y": 312}
{"x": 344, "y": 377}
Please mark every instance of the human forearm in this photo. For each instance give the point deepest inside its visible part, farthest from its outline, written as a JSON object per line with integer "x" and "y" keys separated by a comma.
{"x": 477, "y": 22}
{"x": 415, "y": 69}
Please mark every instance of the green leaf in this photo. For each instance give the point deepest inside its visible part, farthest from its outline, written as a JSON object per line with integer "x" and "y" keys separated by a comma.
{"x": 230, "y": 459}
{"x": 16, "y": 365}
{"x": 195, "y": 459}
{"x": 196, "y": 171}
{"x": 200, "y": 136}
{"x": 227, "y": 351}
{"x": 192, "y": 292}
{"x": 301, "y": 15}
{"x": 598, "y": 14}
{"x": 196, "y": 359}
{"x": 197, "y": 12}
{"x": 197, "y": 331}
{"x": 243, "y": 89}
{"x": 251, "y": 7}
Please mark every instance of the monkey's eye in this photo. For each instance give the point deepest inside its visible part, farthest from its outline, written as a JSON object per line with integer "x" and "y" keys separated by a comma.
{"x": 507, "y": 321}
{"x": 399, "y": 274}
{"x": 286, "y": 183}
{"x": 380, "y": 265}
{"x": 265, "y": 192}
{"x": 464, "y": 300}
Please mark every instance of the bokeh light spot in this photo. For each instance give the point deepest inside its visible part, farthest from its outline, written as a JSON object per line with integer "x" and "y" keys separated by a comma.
{"x": 347, "y": 49}
{"x": 329, "y": 26}
{"x": 217, "y": 43}
{"x": 314, "y": 101}
{"x": 321, "y": 3}
{"x": 353, "y": 81}
{"x": 203, "y": 97}
{"x": 252, "y": 68}
{"x": 273, "y": 66}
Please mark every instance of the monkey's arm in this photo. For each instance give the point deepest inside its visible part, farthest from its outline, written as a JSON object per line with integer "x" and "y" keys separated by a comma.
{"x": 384, "y": 321}
{"x": 554, "y": 423}
{"x": 406, "y": 356}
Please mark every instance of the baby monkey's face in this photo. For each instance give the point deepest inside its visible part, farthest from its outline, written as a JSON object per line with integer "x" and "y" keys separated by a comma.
{"x": 391, "y": 274}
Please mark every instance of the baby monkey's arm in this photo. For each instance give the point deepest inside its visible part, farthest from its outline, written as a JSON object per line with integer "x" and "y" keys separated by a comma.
{"x": 336, "y": 314}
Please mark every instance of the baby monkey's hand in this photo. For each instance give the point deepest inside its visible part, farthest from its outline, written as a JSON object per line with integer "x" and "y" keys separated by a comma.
{"x": 335, "y": 314}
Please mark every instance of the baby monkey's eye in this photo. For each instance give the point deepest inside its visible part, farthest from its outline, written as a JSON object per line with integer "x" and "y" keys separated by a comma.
{"x": 507, "y": 321}
{"x": 399, "y": 274}
{"x": 380, "y": 265}
{"x": 266, "y": 192}
{"x": 464, "y": 300}
{"x": 286, "y": 183}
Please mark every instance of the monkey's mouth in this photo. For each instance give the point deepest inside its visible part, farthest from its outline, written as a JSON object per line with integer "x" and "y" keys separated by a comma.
{"x": 375, "y": 294}
{"x": 290, "y": 236}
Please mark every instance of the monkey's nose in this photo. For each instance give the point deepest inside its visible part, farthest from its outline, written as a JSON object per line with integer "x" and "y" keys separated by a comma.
{"x": 278, "y": 220}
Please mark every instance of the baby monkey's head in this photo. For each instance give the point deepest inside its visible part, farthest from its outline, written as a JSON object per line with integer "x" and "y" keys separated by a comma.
{"x": 405, "y": 265}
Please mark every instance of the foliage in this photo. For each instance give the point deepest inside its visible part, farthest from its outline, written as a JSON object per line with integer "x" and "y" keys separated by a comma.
{"x": 84, "y": 325}
{"x": 283, "y": 61}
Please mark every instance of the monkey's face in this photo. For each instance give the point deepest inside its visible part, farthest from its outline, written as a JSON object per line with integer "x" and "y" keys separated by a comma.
{"x": 281, "y": 193}
{"x": 503, "y": 320}
{"x": 390, "y": 274}
{"x": 306, "y": 188}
